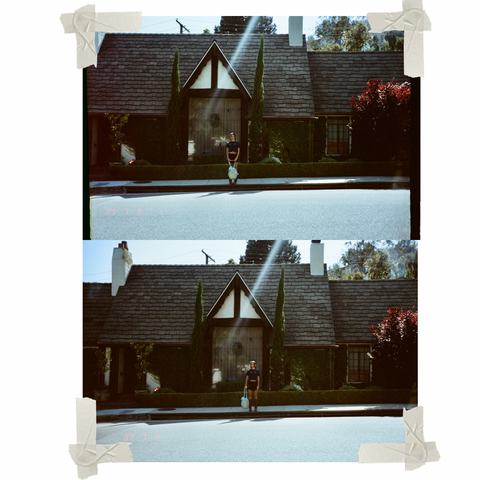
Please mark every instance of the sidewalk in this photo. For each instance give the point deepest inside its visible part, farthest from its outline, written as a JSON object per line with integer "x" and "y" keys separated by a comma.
{"x": 159, "y": 186}
{"x": 148, "y": 414}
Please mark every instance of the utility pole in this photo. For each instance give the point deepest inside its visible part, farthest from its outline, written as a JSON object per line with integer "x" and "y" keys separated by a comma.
{"x": 182, "y": 27}
{"x": 207, "y": 257}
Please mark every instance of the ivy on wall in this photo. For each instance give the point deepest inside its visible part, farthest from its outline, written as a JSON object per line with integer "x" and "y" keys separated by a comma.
{"x": 290, "y": 142}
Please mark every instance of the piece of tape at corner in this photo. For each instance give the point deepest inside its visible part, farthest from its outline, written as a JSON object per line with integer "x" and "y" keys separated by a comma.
{"x": 86, "y": 454}
{"x": 413, "y": 20}
{"x": 415, "y": 452}
{"x": 85, "y": 24}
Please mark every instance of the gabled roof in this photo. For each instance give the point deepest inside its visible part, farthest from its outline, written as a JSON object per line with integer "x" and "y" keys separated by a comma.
{"x": 337, "y": 76}
{"x": 157, "y": 304}
{"x": 133, "y": 71}
{"x": 357, "y": 304}
{"x": 246, "y": 297}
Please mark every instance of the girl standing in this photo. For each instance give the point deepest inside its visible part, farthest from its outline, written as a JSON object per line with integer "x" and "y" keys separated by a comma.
{"x": 252, "y": 383}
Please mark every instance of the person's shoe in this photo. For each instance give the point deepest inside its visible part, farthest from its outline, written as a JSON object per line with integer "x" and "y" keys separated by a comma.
{"x": 255, "y": 409}
{"x": 250, "y": 409}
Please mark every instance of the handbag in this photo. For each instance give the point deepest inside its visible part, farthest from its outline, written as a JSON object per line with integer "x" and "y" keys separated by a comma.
{"x": 232, "y": 173}
{"x": 244, "y": 401}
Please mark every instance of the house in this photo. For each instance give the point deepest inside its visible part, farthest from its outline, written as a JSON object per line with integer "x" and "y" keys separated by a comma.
{"x": 327, "y": 321}
{"x": 307, "y": 94}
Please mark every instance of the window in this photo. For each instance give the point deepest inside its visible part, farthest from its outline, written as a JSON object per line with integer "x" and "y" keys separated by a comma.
{"x": 337, "y": 135}
{"x": 358, "y": 363}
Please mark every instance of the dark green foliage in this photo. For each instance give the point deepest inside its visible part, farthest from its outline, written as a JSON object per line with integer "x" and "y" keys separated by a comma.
{"x": 310, "y": 369}
{"x": 197, "y": 346}
{"x": 170, "y": 366}
{"x": 278, "y": 354}
{"x": 239, "y": 25}
{"x": 207, "y": 172}
{"x": 257, "y": 252}
{"x": 223, "y": 387}
{"x": 173, "y": 122}
{"x": 290, "y": 141}
{"x": 257, "y": 134}
{"x": 164, "y": 390}
{"x": 319, "y": 138}
{"x": 147, "y": 137}
{"x": 341, "y": 362}
{"x": 208, "y": 159}
{"x": 313, "y": 397}
{"x": 142, "y": 361}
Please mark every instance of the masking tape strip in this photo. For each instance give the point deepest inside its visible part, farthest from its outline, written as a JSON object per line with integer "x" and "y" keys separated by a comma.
{"x": 415, "y": 452}
{"x": 86, "y": 453}
{"x": 85, "y": 22}
{"x": 413, "y": 20}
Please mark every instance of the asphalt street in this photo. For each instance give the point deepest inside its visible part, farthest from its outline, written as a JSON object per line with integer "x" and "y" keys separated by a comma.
{"x": 265, "y": 439}
{"x": 332, "y": 214}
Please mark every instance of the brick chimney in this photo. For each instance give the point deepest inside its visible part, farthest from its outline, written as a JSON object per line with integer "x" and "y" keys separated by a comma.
{"x": 316, "y": 258}
{"x": 295, "y": 31}
{"x": 121, "y": 264}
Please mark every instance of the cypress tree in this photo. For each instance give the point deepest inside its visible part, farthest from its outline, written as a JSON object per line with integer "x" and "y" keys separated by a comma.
{"x": 257, "y": 130}
{"x": 278, "y": 354}
{"x": 197, "y": 346}
{"x": 173, "y": 121}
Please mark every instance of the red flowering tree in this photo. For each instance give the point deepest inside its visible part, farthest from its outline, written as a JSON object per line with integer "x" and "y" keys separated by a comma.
{"x": 395, "y": 354}
{"x": 381, "y": 125}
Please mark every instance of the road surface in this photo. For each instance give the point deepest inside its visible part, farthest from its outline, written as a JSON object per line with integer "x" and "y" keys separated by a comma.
{"x": 326, "y": 214}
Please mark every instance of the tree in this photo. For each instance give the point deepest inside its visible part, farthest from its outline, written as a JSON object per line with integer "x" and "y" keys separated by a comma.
{"x": 257, "y": 132}
{"x": 395, "y": 352}
{"x": 142, "y": 365}
{"x": 375, "y": 260}
{"x": 239, "y": 25}
{"x": 381, "y": 124}
{"x": 117, "y": 137}
{"x": 197, "y": 346}
{"x": 342, "y": 33}
{"x": 257, "y": 252}
{"x": 173, "y": 120}
{"x": 278, "y": 356}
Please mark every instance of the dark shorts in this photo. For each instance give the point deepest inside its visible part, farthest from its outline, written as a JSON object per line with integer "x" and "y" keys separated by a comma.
{"x": 252, "y": 385}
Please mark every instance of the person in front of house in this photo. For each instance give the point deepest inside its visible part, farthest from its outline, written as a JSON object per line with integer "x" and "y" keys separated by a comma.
{"x": 252, "y": 383}
{"x": 233, "y": 153}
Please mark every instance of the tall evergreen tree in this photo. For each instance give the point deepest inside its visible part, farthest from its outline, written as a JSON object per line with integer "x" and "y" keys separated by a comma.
{"x": 197, "y": 346}
{"x": 257, "y": 132}
{"x": 278, "y": 356}
{"x": 173, "y": 121}
{"x": 257, "y": 252}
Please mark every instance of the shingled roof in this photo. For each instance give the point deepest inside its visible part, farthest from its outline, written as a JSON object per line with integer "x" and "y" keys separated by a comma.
{"x": 97, "y": 302}
{"x": 158, "y": 302}
{"x": 358, "y": 304}
{"x": 133, "y": 72}
{"x": 337, "y": 76}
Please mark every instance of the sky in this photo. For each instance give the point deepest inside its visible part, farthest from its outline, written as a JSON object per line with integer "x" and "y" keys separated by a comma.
{"x": 97, "y": 255}
{"x": 197, "y": 24}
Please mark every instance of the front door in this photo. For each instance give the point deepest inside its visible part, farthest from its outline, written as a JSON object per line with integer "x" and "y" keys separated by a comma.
{"x": 232, "y": 350}
{"x": 210, "y": 121}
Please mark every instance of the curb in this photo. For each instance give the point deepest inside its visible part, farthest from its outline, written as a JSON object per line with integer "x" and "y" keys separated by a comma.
{"x": 132, "y": 189}
{"x": 385, "y": 412}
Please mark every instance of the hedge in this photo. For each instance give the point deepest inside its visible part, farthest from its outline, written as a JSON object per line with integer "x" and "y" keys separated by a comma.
{"x": 207, "y": 172}
{"x": 313, "y": 397}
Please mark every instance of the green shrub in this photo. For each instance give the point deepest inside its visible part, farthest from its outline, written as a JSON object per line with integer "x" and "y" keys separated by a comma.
{"x": 223, "y": 387}
{"x": 353, "y": 160}
{"x": 269, "y": 160}
{"x": 291, "y": 388}
{"x": 207, "y": 172}
{"x": 327, "y": 160}
{"x": 164, "y": 390}
{"x": 208, "y": 158}
{"x": 139, "y": 162}
{"x": 312, "y": 397}
{"x": 348, "y": 387}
